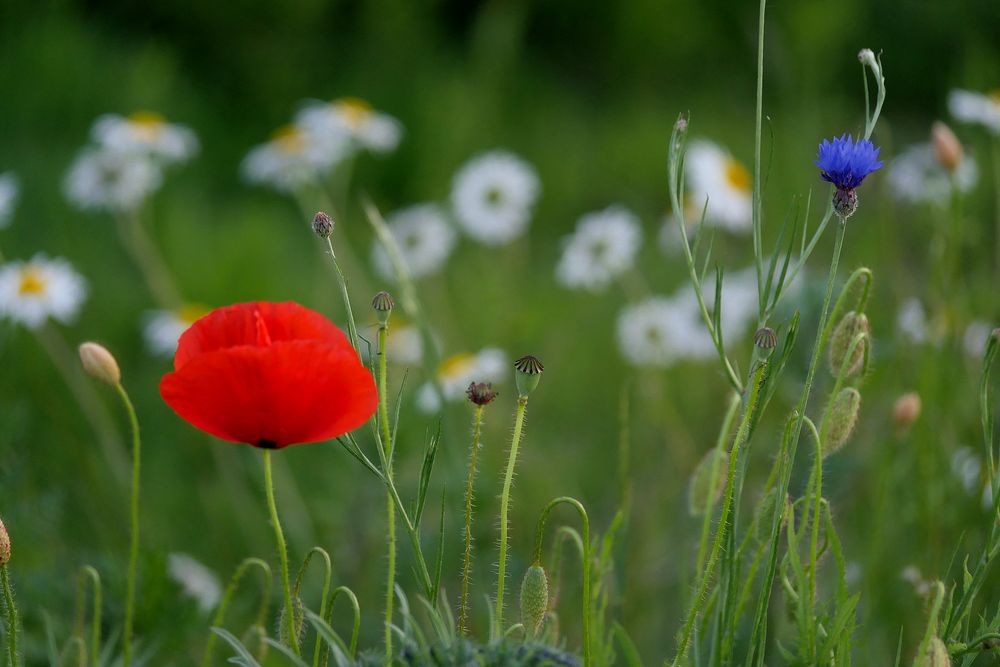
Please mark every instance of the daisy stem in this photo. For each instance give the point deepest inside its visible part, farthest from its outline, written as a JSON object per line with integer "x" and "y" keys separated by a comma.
{"x": 282, "y": 553}
{"x": 8, "y": 597}
{"x": 133, "y": 555}
{"x": 351, "y": 325}
{"x": 383, "y": 412}
{"x": 522, "y": 405}
{"x": 147, "y": 258}
{"x": 996, "y": 192}
{"x": 463, "y": 607}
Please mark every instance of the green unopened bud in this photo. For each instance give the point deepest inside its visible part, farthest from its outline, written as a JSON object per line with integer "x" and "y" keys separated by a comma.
{"x": 528, "y": 371}
{"x": 707, "y": 481}
{"x": 844, "y": 333}
{"x": 843, "y": 418}
{"x": 534, "y": 599}
{"x": 4, "y": 545}
{"x": 935, "y": 655}
{"x": 382, "y": 303}
{"x": 323, "y": 225}
{"x": 100, "y": 364}
{"x": 298, "y": 623}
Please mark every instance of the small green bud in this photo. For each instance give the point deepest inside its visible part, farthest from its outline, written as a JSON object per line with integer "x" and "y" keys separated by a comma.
{"x": 298, "y": 622}
{"x": 844, "y": 333}
{"x": 382, "y": 303}
{"x": 528, "y": 371}
{"x": 323, "y": 225}
{"x": 534, "y": 599}
{"x": 4, "y": 545}
{"x": 707, "y": 481}
{"x": 843, "y": 418}
{"x": 100, "y": 364}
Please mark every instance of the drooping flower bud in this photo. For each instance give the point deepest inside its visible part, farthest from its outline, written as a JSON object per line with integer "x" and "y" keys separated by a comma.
{"x": 382, "y": 303}
{"x": 843, "y": 418}
{"x": 765, "y": 338}
{"x": 481, "y": 393}
{"x": 947, "y": 148}
{"x": 528, "y": 371}
{"x": 99, "y": 363}
{"x": 843, "y": 334}
{"x": 323, "y": 225}
{"x": 867, "y": 57}
{"x": 4, "y": 545}
{"x": 534, "y": 599}
{"x": 298, "y": 622}
{"x": 708, "y": 481}
{"x": 935, "y": 655}
{"x": 906, "y": 410}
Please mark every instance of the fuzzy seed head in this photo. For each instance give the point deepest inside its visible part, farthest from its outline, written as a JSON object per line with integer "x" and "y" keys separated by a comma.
{"x": 947, "y": 148}
{"x": 481, "y": 393}
{"x": 707, "y": 482}
{"x": 906, "y": 410}
{"x": 382, "y": 304}
{"x": 4, "y": 545}
{"x": 528, "y": 371}
{"x": 100, "y": 364}
{"x": 323, "y": 225}
{"x": 534, "y": 599}
{"x": 843, "y": 418}
{"x": 765, "y": 338}
{"x": 844, "y": 333}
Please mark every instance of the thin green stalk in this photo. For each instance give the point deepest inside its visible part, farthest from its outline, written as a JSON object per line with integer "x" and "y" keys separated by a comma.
{"x": 88, "y": 572}
{"x": 758, "y": 223}
{"x": 282, "y": 553}
{"x": 342, "y": 282}
{"x": 463, "y": 607}
{"x": 8, "y": 597}
{"x": 522, "y": 404}
{"x": 227, "y": 596}
{"x": 383, "y": 411}
{"x": 706, "y": 525}
{"x": 324, "y": 595}
{"x": 996, "y": 192}
{"x": 148, "y": 260}
{"x": 133, "y": 553}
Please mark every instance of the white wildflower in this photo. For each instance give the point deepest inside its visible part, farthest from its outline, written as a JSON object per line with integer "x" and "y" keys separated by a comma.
{"x": 146, "y": 133}
{"x": 425, "y": 239}
{"x": 291, "y": 159}
{"x": 109, "y": 181}
{"x": 712, "y": 174}
{"x": 32, "y": 292}
{"x": 457, "y": 372}
{"x": 493, "y": 196}
{"x": 602, "y": 248}
{"x": 196, "y": 581}
{"x": 916, "y": 176}
{"x": 352, "y": 119}
{"x": 163, "y": 328}
{"x": 973, "y": 107}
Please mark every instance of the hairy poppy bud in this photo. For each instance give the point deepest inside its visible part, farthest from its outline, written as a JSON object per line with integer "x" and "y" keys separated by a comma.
{"x": 947, "y": 149}
{"x": 528, "y": 371}
{"x": 382, "y": 304}
{"x": 935, "y": 655}
{"x": 534, "y": 599}
{"x": 843, "y": 418}
{"x": 299, "y": 618}
{"x": 323, "y": 225}
{"x": 4, "y": 545}
{"x": 843, "y": 335}
{"x": 481, "y": 393}
{"x": 906, "y": 410}
{"x": 100, "y": 364}
{"x": 707, "y": 481}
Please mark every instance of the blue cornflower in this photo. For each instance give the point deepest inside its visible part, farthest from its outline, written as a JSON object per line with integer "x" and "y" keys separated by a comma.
{"x": 845, "y": 163}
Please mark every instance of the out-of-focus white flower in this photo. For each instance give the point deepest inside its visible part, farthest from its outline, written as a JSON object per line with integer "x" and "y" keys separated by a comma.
{"x": 290, "y": 159}
{"x": 31, "y": 292}
{"x": 987, "y": 496}
{"x": 9, "y": 191}
{"x": 911, "y": 574}
{"x": 661, "y": 330}
{"x": 493, "y": 196}
{"x": 405, "y": 345}
{"x": 110, "y": 181}
{"x": 975, "y": 337}
{"x": 603, "y": 247}
{"x": 163, "y": 328}
{"x": 966, "y": 466}
{"x": 425, "y": 239}
{"x": 352, "y": 119}
{"x": 457, "y": 372}
{"x": 670, "y": 234}
{"x": 196, "y": 581}
{"x": 911, "y": 321}
{"x": 712, "y": 173}
{"x": 973, "y": 107}
{"x": 916, "y": 176}
{"x": 739, "y": 301}
{"x": 145, "y": 132}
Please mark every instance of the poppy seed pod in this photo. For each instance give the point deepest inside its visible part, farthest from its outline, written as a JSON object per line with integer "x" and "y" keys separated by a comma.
{"x": 846, "y": 331}
{"x": 4, "y": 545}
{"x": 99, "y": 363}
{"x": 323, "y": 225}
{"x": 382, "y": 304}
{"x": 707, "y": 481}
{"x": 528, "y": 371}
{"x": 534, "y": 599}
{"x": 765, "y": 338}
{"x": 843, "y": 418}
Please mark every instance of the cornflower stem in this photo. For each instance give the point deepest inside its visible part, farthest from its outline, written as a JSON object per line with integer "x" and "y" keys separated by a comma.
{"x": 133, "y": 552}
{"x": 11, "y": 608}
{"x": 148, "y": 260}
{"x": 342, "y": 282}
{"x": 522, "y": 405}
{"x": 742, "y": 433}
{"x": 463, "y": 607}
{"x": 383, "y": 412}
{"x": 279, "y": 538}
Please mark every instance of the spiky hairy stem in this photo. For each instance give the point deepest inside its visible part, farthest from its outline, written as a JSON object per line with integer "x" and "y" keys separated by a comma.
{"x": 463, "y": 608}
{"x": 522, "y": 405}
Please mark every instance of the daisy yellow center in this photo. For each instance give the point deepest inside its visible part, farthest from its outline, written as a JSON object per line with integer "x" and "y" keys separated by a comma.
{"x": 188, "y": 314}
{"x": 737, "y": 176}
{"x": 457, "y": 365}
{"x": 33, "y": 282}
{"x": 289, "y": 139}
{"x": 354, "y": 111}
{"x": 147, "y": 124}
{"x": 994, "y": 96}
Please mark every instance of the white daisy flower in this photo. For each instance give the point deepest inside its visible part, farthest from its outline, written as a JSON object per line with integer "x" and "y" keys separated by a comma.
{"x": 739, "y": 300}
{"x": 353, "y": 119}
{"x": 9, "y": 191}
{"x": 493, "y": 196}
{"x": 916, "y": 176}
{"x": 33, "y": 291}
{"x": 405, "y": 345}
{"x": 425, "y": 239}
{"x": 661, "y": 330}
{"x": 145, "y": 132}
{"x": 104, "y": 180}
{"x": 972, "y": 107}
{"x": 458, "y": 371}
{"x": 292, "y": 158}
{"x": 670, "y": 237}
{"x": 195, "y": 580}
{"x": 975, "y": 337}
{"x": 603, "y": 247}
{"x": 911, "y": 321}
{"x": 712, "y": 173}
{"x": 163, "y": 328}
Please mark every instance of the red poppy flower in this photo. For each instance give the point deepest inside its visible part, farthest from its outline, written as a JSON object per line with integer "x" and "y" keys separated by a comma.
{"x": 269, "y": 375}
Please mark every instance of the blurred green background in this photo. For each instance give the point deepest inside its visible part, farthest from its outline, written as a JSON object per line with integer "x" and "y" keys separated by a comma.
{"x": 585, "y": 91}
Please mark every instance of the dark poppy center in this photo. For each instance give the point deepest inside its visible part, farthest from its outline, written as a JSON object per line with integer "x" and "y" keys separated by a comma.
{"x": 267, "y": 444}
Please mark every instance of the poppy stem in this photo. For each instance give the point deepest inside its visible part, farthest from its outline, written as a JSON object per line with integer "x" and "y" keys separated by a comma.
{"x": 383, "y": 414}
{"x": 463, "y": 607}
{"x": 352, "y": 327}
{"x": 522, "y": 405}
{"x": 133, "y": 555}
{"x": 282, "y": 553}
{"x": 8, "y": 598}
